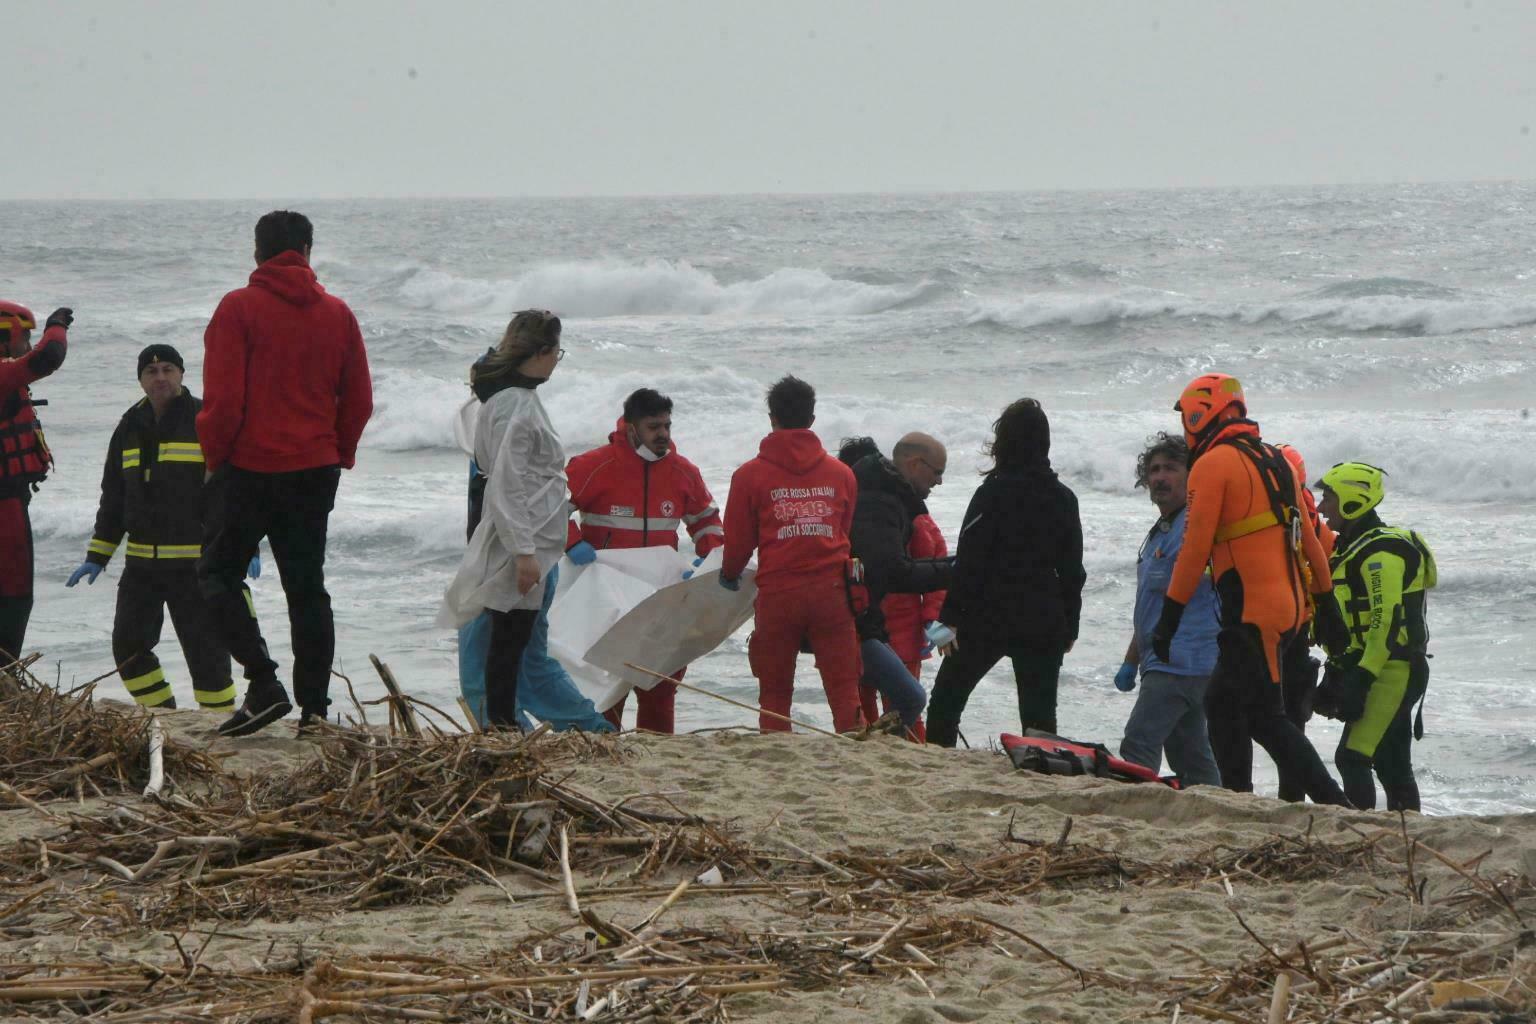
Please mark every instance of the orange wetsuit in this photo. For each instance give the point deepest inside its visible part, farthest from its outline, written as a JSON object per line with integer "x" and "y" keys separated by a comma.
{"x": 1254, "y": 570}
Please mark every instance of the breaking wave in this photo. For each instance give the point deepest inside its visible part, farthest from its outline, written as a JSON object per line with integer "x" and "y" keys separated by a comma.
{"x": 656, "y": 287}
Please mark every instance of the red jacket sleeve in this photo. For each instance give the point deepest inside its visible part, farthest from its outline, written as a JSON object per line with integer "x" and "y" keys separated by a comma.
{"x": 225, "y": 348}
{"x": 354, "y": 403}
{"x": 48, "y": 356}
{"x": 928, "y": 542}
{"x": 701, "y": 515}
{"x": 740, "y": 524}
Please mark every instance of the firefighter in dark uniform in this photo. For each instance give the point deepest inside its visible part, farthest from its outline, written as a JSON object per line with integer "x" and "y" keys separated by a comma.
{"x": 151, "y": 489}
{"x": 24, "y": 459}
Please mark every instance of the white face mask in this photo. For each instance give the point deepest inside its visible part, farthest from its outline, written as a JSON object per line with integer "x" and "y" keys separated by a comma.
{"x": 648, "y": 455}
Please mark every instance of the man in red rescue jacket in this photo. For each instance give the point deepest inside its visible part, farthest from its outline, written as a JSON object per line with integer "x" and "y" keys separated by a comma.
{"x": 634, "y": 493}
{"x": 794, "y": 505}
{"x": 24, "y": 459}
{"x": 286, "y": 393}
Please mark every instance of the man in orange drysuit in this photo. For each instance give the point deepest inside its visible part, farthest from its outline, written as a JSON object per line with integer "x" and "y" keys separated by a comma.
{"x": 1245, "y": 520}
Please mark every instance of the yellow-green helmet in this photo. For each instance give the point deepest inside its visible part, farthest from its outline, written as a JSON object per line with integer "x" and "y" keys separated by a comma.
{"x": 1357, "y": 485}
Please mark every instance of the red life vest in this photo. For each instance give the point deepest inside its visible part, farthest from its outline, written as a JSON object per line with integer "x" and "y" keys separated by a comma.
{"x": 24, "y": 454}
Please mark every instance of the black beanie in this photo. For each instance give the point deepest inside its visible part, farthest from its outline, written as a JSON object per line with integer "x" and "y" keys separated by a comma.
{"x": 160, "y": 354}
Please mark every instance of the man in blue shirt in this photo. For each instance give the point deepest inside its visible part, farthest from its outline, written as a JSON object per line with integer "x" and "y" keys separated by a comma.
{"x": 1170, "y": 711}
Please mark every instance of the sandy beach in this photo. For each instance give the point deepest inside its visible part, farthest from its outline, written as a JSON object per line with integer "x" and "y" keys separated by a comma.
{"x": 841, "y": 881}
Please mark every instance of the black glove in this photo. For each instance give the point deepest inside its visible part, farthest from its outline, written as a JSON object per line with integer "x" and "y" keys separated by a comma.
{"x": 1167, "y": 626}
{"x": 1354, "y": 685}
{"x": 61, "y": 317}
{"x": 1325, "y": 699}
{"x": 1328, "y": 627}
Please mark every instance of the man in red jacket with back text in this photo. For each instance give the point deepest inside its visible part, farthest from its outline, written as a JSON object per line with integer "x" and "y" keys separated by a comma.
{"x": 794, "y": 505}
{"x": 286, "y": 393}
{"x": 634, "y": 492}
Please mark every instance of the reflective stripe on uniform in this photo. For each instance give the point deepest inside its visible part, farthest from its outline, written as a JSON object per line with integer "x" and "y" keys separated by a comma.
{"x": 711, "y": 511}
{"x": 105, "y": 548}
{"x": 1243, "y": 527}
{"x": 130, "y": 458}
{"x": 149, "y": 689}
{"x": 218, "y": 699}
{"x": 180, "y": 451}
{"x": 250, "y": 602}
{"x": 630, "y": 522}
{"x": 137, "y": 550}
{"x": 720, "y": 530}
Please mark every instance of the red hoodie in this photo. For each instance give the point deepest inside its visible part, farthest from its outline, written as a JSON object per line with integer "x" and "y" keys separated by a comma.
{"x": 628, "y": 501}
{"x": 285, "y": 376}
{"x": 794, "y": 505}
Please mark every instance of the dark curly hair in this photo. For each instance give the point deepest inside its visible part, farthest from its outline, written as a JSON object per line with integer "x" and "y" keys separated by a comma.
{"x": 853, "y": 449}
{"x": 1160, "y": 443}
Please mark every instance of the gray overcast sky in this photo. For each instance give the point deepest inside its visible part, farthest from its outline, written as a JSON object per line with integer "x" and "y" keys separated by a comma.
{"x": 321, "y": 99}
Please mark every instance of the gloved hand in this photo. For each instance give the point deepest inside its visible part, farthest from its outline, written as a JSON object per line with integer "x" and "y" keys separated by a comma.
{"x": 61, "y": 317}
{"x": 943, "y": 638}
{"x": 88, "y": 571}
{"x": 254, "y": 569}
{"x": 581, "y": 553}
{"x": 1167, "y": 626}
{"x": 1328, "y": 626}
{"x": 731, "y": 585}
{"x": 1125, "y": 679}
{"x": 1354, "y": 686}
{"x": 688, "y": 573}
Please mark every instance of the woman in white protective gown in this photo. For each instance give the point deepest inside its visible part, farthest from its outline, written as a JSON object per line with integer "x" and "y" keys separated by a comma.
{"x": 522, "y": 533}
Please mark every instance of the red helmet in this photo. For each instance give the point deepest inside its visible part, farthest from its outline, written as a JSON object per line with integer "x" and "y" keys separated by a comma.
{"x": 14, "y": 317}
{"x": 1294, "y": 458}
{"x": 1206, "y": 401}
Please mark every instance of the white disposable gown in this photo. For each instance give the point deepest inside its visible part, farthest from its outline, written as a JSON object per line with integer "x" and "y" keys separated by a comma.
{"x": 526, "y": 509}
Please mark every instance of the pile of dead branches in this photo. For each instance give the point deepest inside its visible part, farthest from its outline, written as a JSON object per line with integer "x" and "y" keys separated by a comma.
{"x": 56, "y": 743}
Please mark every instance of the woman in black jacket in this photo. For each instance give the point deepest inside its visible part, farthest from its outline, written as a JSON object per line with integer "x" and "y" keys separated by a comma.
{"x": 1018, "y": 584}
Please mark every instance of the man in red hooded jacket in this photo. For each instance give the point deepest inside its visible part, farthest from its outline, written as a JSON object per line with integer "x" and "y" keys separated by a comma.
{"x": 634, "y": 492}
{"x": 794, "y": 505}
{"x": 286, "y": 393}
{"x": 24, "y": 458}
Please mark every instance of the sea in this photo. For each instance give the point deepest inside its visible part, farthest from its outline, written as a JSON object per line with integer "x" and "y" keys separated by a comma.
{"x": 1392, "y": 324}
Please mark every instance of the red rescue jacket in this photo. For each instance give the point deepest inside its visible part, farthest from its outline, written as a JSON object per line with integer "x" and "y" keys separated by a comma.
{"x": 793, "y": 504}
{"x": 24, "y": 457}
{"x": 628, "y": 501}
{"x": 285, "y": 375}
{"x": 907, "y": 614}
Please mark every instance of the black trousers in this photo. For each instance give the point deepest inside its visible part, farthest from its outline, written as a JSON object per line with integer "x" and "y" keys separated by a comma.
{"x": 510, "y": 632}
{"x": 292, "y": 511}
{"x": 1243, "y": 706}
{"x": 1298, "y": 681}
{"x": 1035, "y": 675}
{"x": 148, "y": 588}
{"x": 15, "y": 570}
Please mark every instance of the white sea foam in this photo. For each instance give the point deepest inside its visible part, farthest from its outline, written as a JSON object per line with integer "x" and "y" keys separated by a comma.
{"x": 615, "y": 288}
{"x": 1404, "y": 313}
{"x": 412, "y": 409}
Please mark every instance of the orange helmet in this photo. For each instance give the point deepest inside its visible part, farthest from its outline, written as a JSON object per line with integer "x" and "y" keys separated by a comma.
{"x": 1205, "y": 403}
{"x": 14, "y": 318}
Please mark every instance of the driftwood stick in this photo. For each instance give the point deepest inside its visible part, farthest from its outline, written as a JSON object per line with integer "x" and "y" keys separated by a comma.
{"x": 1280, "y": 1003}
{"x": 740, "y": 704}
{"x": 398, "y": 702}
{"x": 156, "y": 759}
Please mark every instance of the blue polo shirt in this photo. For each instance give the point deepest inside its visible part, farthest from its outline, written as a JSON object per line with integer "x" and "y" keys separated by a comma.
{"x": 1194, "y": 645}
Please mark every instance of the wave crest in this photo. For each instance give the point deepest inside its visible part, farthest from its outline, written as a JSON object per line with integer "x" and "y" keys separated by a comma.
{"x": 615, "y": 288}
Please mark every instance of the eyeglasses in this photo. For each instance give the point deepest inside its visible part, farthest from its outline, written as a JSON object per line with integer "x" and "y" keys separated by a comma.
{"x": 938, "y": 471}
{"x": 560, "y": 356}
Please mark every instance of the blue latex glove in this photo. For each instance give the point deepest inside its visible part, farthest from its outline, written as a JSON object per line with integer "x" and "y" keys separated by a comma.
{"x": 1125, "y": 679}
{"x": 731, "y": 585}
{"x": 88, "y": 571}
{"x": 254, "y": 569}
{"x": 581, "y": 553}
{"x": 688, "y": 573}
